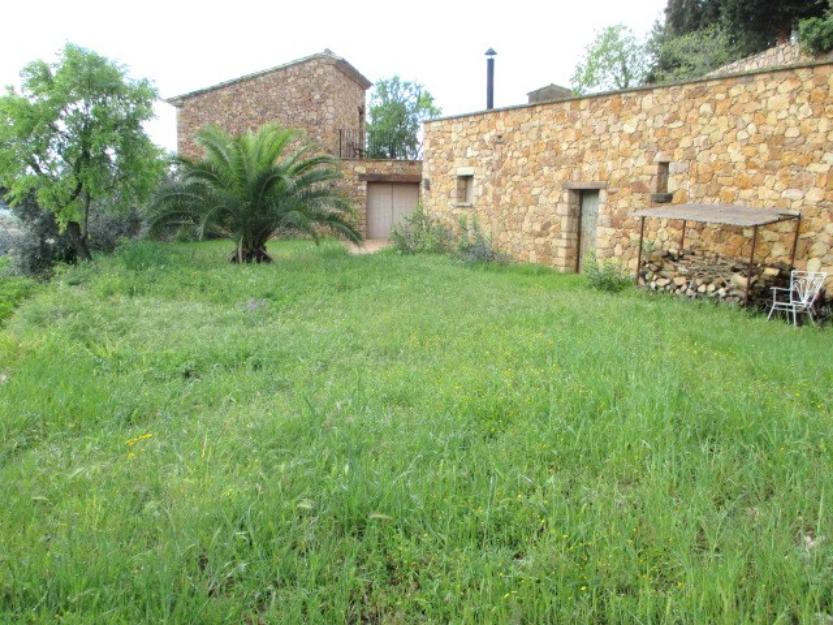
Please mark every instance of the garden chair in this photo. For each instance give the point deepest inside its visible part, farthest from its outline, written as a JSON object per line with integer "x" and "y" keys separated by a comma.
{"x": 801, "y": 295}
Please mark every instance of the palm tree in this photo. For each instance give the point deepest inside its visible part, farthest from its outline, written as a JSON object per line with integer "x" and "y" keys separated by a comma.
{"x": 249, "y": 186}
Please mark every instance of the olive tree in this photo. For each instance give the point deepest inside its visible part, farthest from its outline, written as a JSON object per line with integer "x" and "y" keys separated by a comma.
{"x": 73, "y": 135}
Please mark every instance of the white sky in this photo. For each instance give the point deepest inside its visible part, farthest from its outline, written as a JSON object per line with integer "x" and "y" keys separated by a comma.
{"x": 183, "y": 45}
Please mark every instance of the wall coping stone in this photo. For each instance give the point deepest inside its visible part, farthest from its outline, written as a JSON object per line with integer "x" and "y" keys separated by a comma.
{"x": 641, "y": 89}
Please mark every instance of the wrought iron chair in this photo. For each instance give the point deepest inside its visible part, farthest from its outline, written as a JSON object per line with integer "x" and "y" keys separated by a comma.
{"x": 800, "y": 297}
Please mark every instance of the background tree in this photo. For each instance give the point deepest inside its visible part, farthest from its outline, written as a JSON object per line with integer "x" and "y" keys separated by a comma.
{"x": 397, "y": 110}
{"x": 692, "y": 54}
{"x": 614, "y": 60}
{"x": 698, "y": 36}
{"x": 250, "y": 186}
{"x": 816, "y": 33}
{"x": 73, "y": 136}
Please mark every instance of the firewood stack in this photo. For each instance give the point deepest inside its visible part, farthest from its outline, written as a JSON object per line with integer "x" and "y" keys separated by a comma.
{"x": 698, "y": 274}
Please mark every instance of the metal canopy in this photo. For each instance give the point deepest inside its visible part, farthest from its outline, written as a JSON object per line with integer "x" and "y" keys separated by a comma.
{"x": 728, "y": 214}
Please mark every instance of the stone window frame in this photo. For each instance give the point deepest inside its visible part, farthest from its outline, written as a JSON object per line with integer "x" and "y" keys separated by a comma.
{"x": 661, "y": 194}
{"x": 464, "y": 194}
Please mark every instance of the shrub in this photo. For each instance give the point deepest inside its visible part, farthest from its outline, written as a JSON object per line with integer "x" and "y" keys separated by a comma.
{"x": 107, "y": 230}
{"x": 606, "y": 276}
{"x": 816, "y": 34}
{"x": 476, "y": 247}
{"x": 41, "y": 244}
{"x": 419, "y": 233}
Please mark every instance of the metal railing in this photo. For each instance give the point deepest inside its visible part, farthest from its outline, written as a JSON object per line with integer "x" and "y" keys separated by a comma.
{"x": 361, "y": 144}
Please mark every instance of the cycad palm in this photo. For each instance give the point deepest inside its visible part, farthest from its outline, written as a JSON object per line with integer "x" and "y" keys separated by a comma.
{"x": 251, "y": 185}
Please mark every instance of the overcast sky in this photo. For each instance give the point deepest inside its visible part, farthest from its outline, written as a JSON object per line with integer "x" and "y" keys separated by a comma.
{"x": 183, "y": 46}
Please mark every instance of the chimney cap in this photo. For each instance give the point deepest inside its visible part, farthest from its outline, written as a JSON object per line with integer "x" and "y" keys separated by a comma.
{"x": 490, "y": 52}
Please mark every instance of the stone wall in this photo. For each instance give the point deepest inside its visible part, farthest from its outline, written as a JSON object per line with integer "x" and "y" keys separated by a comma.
{"x": 319, "y": 95}
{"x": 762, "y": 139}
{"x": 788, "y": 53}
{"x": 356, "y": 174}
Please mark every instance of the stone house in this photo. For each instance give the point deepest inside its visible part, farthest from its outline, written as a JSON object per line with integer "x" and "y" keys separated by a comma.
{"x": 552, "y": 181}
{"x": 324, "y": 96}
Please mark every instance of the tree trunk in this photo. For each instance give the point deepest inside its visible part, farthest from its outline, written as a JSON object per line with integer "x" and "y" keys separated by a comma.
{"x": 79, "y": 241}
{"x": 251, "y": 252}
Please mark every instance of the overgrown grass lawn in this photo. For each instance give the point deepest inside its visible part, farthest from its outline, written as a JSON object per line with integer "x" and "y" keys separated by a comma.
{"x": 383, "y": 440}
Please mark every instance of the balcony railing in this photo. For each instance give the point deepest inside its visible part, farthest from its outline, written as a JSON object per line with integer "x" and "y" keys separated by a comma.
{"x": 358, "y": 143}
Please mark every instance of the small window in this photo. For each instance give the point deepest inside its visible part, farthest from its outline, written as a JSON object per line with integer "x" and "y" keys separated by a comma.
{"x": 662, "y": 177}
{"x": 464, "y": 189}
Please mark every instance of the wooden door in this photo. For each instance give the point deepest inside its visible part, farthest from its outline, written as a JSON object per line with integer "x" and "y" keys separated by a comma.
{"x": 387, "y": 204}
{"x": 589, "y": 219}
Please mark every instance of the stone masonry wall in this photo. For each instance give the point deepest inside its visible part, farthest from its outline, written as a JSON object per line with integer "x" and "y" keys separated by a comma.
{"x": 762, "y": 139}
{"x": 354, "y": 182}
{"x": 313, "y": 95}
{"x": 777, "y": 56}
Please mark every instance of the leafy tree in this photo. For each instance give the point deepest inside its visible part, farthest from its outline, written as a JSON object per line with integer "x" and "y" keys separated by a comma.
{"x": 756, "y": 25}
{"x": 74, "y": 135}
{"x": 250, "y": 186}
{"x": 687, "y": 16}
{"x": 614, "y": 60}
{"x": 397, "y": 110}
{"x": 816, "y": 33}
{"x": 690, "y": 55}
{"x": 727, "y": 30}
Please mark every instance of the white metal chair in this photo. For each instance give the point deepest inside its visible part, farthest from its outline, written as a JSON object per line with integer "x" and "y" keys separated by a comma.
{"x": 800, "y": 297}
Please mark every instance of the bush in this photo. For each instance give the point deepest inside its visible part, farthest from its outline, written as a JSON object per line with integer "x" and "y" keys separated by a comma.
{"x": 476, "y": 247}
{"x": 816, "y": 34}
{"x": 419, "y": 233}
{"x": 7, "y": 240}
{"x": 606, "y": 276}
{"x": 107, "y": 230}
{"x": 41, "y": 244}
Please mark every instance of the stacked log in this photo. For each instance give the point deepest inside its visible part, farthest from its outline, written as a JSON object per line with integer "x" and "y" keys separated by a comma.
{"x": 700, "y": 274}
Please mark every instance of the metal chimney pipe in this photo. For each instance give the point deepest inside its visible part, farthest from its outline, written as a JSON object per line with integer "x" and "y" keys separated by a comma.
{"x": 490, "y": 79}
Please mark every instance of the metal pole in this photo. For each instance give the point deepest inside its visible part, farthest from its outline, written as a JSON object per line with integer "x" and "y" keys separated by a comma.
{"x": 490, "y": 79}
{"x": 639, "y": 255}
{"x": 795, "y": 242}
{"x": 578, "y": 236}
{"x": 751, "y": 261}
{"x": 682, "y": 239}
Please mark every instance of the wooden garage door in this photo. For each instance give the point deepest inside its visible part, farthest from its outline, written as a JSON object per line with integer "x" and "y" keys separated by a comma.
{"x": 387, "y": 204}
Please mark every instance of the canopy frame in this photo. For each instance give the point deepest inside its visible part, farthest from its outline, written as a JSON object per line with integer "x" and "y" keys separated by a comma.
{"x": 724, "y": 214}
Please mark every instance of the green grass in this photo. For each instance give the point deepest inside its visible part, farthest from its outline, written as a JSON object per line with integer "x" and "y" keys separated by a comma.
{"x": 13, "y": 290}
{"x": 388, "y": 439}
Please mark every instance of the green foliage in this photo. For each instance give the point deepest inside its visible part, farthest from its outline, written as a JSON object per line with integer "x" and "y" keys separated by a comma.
{"x": 250, "y": 186}
{"x": 614, "y": 60}
{"x": 606, "y": 275}
{"x": 690, "y": 55}
{"x": 41, "y": 244}
{"x": 698, "y": 36}
{"x": 74, "y": 135}
{"x": 474, "y": 246}
{"x": 398, "y": 439}
{"x": 757, "y": 24}
{"x": 397, "y": 110}
{"x": 420, "y": 233}
{"x": 816, "y": 33}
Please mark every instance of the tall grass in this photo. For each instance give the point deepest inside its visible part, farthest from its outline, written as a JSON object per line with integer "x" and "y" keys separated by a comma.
{"x": 399, "y": 439}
